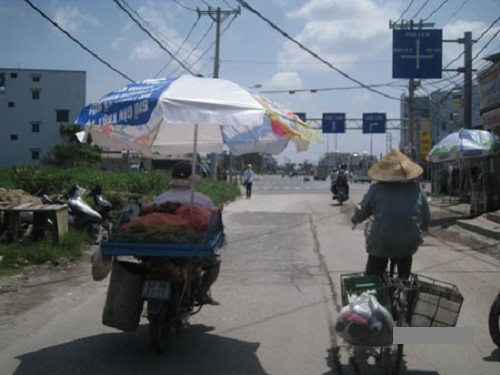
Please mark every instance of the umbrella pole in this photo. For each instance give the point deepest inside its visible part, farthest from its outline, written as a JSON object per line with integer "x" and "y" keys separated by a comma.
{"x": 193, "y": 162}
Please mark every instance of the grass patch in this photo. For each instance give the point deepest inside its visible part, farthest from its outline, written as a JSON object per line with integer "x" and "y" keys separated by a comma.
{"x": 16, "y": 256}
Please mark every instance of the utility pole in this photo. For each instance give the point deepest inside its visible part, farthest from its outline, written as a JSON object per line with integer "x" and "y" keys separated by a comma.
{"x": 468, "y": 80}
{"x": 467, "y": 71}
{"x": 218, "y": 16}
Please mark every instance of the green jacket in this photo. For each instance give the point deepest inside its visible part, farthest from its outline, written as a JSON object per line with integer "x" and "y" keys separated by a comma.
{"x": 400, "y": 215}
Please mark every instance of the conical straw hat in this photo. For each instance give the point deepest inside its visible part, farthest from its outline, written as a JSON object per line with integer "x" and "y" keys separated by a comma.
{"x": 395, "y": 167}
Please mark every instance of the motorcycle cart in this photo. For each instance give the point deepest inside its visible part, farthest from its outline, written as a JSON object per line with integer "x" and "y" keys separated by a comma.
{"x": 166, "y": 275}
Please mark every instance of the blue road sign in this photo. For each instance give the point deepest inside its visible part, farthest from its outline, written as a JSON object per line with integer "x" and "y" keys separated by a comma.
{"x": 302, "y": 116}
{"x": 333, "y": 122}
{"x": 374, "y": 123}
{"x": 417, "y": 53}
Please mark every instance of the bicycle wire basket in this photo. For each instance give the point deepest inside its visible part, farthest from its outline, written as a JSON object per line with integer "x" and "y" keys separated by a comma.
{"x": 436, "y": 304}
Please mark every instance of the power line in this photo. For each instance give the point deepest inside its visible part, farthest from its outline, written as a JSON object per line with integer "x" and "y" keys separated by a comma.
{"x": 435, "y": 10}
{"x": 293, "y": 91}
{"x": 152, "y": 37}
{"x": 211, "y": 45}
{"x": 77, "y": 41}
{"x": 315, "y": 55}
{"x": 182, "y": 44}
{"x": 404, "y": 11}
{"x": 418, "y": 11}
{"x": 195, "y": 47}
{"x": 486, "y": 45}
{"x": 455, "y": 12}
{"x": 183, "y": 6}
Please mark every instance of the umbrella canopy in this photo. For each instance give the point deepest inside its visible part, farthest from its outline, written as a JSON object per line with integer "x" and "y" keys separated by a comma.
{"x": 161, "y": 115}
{"x": 465, "y": 143}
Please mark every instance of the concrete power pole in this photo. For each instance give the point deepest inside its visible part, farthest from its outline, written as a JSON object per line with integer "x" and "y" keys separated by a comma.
{"x": 468, "y": 80}
{"x": 218, "y": 16}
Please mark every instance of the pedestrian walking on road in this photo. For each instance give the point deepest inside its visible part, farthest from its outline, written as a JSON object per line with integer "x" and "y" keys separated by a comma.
{"x": 247, "y": 179}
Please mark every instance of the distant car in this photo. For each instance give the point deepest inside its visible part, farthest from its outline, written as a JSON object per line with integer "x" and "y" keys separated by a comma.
{"x": 361, "y": 176}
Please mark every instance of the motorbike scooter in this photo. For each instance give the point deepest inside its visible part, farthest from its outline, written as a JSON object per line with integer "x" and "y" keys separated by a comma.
{"x": 102, "y": 206}
{"x": 80, "y": 215}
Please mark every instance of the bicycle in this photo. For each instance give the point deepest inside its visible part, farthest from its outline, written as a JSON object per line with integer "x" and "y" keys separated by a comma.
{"x": 397, "y": 295}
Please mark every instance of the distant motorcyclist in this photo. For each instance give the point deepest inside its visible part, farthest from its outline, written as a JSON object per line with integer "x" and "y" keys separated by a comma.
{"x": 340, "y": 179}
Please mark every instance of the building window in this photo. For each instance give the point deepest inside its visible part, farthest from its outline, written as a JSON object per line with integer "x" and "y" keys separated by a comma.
{"x": 13, "y": 75}
{"x": 13, "y": 137}
{"x": 35, "y": 127}
{"x": 35, "y": 94}
{"x": 35, "y": 154}
{"x": 11, "y": 104}
{"x": 443, "y": 126}
{"x": 62, "y": 115}
{"x": 35, "y": 77}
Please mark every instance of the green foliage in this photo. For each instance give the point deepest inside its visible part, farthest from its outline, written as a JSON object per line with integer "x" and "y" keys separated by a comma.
{"x": 35, "y": 253}
{"x": 116, "y": 186}
{"x": 72, "y": 152}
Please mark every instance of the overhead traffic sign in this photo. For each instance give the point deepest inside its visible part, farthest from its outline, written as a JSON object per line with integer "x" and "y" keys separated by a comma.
{"x": 302, "y": 116}
{"x": 333, "y": 122}
{"x": 374, "y": 123}
{"x": 417, "y": 53}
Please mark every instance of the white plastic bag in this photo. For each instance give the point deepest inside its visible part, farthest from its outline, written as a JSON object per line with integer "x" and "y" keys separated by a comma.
{"x": 365, "y": 322}
{"x": 101, "y": 265}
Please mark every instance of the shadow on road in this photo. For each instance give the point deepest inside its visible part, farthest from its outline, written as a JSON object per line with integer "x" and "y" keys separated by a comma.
{"x": 338, "y": 361}
{"x": 192, "y": 351}
{"x": 494, "y": 356}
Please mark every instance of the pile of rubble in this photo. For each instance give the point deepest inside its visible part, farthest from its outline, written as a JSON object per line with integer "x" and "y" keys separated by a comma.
{"x": 17, "y": 196}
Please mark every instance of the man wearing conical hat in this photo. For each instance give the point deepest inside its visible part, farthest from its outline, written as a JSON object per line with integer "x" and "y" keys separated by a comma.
{"x": 400, "y": 213}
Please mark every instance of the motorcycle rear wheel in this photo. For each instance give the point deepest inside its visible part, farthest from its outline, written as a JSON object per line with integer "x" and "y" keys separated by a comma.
{"x": 493, "y": 321}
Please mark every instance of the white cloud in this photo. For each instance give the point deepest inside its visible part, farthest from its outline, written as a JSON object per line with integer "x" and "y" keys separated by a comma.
{"x": 117, "y": 43}
{"x": 146, "y": 50}
{"x": 340, "y": 31}
{"x": 72, "y": 19}
{"x": 283, "y": 81}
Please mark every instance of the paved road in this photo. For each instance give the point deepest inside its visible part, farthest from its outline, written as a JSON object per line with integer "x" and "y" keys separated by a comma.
{"x": 280, "y": 295}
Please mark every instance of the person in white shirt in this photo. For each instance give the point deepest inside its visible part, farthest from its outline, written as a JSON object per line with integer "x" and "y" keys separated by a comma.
{"x": 247, "y": 180}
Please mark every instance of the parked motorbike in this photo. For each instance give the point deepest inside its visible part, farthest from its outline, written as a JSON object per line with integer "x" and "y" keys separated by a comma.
{"x": 493, "y": 320}
{"x": 80, "y": 215}
{"x": 102, "y": 206}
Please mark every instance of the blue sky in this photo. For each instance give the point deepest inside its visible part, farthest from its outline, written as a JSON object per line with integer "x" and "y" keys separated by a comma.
{"x": 353, "y": 36}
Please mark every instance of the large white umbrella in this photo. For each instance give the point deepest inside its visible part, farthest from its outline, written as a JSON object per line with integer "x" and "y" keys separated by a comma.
{"x": 174, "y": 116}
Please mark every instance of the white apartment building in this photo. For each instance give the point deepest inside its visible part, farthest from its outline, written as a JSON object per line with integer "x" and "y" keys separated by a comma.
{"x": 33, "y": 104}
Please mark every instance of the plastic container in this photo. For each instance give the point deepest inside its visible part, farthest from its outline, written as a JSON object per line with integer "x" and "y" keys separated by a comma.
{"x": 354, "y": 284}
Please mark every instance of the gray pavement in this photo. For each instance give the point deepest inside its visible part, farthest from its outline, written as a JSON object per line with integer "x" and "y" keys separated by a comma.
{"x": 447, "y": 213}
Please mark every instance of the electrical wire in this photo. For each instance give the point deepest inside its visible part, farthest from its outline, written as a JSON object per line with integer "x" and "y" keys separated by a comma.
{"x": 181, "y": 45}
{"x": 418, "y": 11}
{"x": 404, "y": 11}
{"x": 486, "y": 45}
{"x": 152, "y": 37}
{"x": 435, "y": 10}
{"x": 183, "y": 6}
{"x": 455, "y": 13}
{"x": 221, "y": 34}
{"x": 390, "y": 84}
{"x": 315, "y": 55}
{"x": 77, "y": 41}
